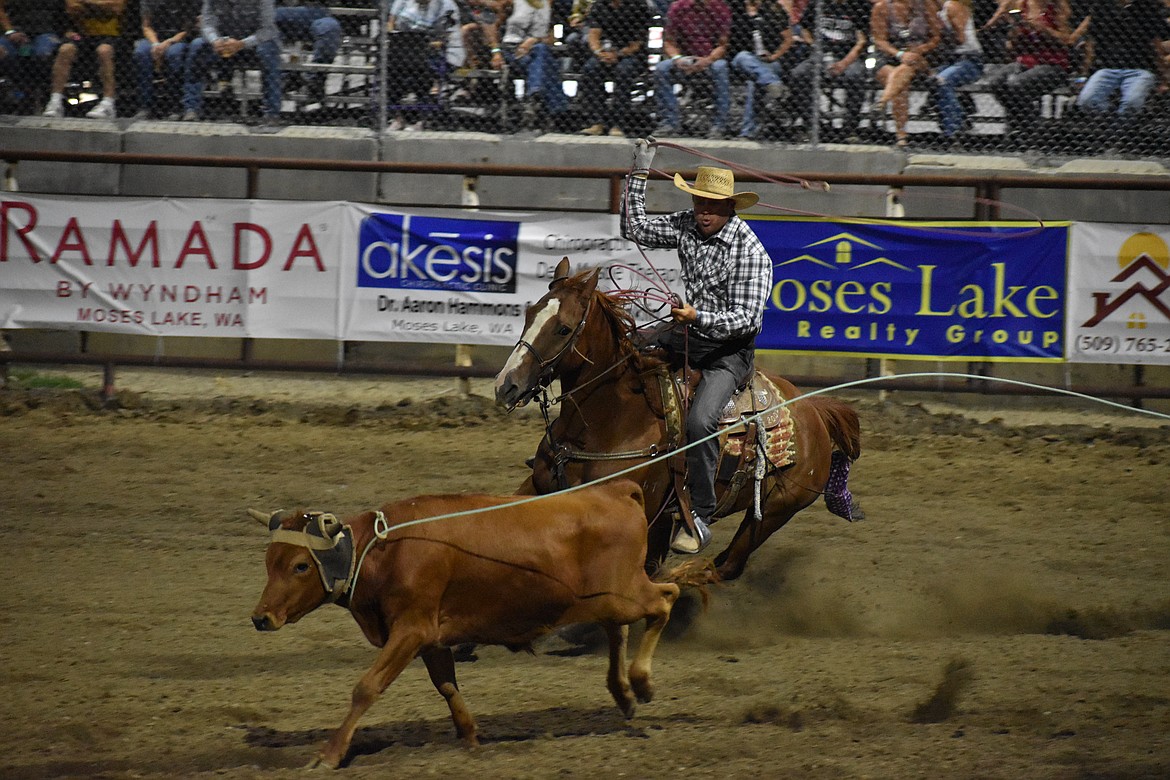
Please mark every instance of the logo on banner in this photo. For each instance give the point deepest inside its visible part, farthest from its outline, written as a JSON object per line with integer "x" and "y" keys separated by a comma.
{"x": 1145, "y": 267}
{"x": 401, "y": 251}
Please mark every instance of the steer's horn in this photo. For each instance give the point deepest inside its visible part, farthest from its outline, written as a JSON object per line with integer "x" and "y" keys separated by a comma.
{"x": 258, "y": 516}
{"x": 329, "y": 525}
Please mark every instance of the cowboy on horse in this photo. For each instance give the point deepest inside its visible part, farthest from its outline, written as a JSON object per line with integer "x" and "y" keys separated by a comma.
{"x": 727, "y": 276}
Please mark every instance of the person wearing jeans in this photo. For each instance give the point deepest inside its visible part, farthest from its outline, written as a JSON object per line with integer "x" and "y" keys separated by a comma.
{"x": 235, "y": 28}
{"x": 311, "y": 23}
{"x": 694, "y": 45}
{"x": 760, "y": 38}
{"x": 727, "y": 276}
{"x": 523, "y": 43}
{"x": 963, "y": 65}
{"x": 168, "y": 27}
{"x": 1127, "y": 38}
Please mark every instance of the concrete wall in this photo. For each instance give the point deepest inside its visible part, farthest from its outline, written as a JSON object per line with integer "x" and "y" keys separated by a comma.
{"x": 555, "y": 150}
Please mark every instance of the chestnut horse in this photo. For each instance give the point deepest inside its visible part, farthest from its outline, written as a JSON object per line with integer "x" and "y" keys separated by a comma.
{"x": 612, "y": 417}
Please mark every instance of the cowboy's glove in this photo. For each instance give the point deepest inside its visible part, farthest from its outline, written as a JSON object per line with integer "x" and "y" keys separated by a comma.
{"x": 644, "y": 149}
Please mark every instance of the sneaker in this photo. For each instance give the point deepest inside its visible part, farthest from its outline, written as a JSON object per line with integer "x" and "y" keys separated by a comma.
{"x": 716, "y": 132}
{"x": 686, "y": 544}
{"x": 55, "y": 107}
{"x": 415, "y": 127}
{"x": 616, "y": 132}
{"x": 597, "y": 129}
{"x": 666, "y": 130}
{"x": 777, "y": 92}
{"x": 103, "y": 110}
{"x": 141, "y": 114}
{"x": 397, "y": 124}
{"x": 189, "y": 116}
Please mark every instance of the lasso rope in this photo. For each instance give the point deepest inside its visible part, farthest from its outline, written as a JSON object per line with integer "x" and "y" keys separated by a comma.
{"x": 774, "y": 408}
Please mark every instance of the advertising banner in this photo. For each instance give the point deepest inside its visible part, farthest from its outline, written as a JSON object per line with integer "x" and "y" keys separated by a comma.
{"x": 967, "y": 291}
{"x": 170, "y": 267}
{"x": 468, "y": 277}
{"x": 1119, "y": 294}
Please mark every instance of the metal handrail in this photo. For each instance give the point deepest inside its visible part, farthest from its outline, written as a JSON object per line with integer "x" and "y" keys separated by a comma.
{"x": 987, "y": 186}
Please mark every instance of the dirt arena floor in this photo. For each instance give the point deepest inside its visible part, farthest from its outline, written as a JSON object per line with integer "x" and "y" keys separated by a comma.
{"x": 1004, "y": 611}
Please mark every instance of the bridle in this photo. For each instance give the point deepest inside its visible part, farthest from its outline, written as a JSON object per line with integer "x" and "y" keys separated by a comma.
{"x": 547, "y": 367}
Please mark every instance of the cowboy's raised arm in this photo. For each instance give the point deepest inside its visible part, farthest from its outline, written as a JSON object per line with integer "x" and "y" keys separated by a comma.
{"x": 659, "y": 232}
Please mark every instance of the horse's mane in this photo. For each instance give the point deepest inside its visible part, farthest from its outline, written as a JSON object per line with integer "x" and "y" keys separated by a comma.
{"x": 622, "y": 324}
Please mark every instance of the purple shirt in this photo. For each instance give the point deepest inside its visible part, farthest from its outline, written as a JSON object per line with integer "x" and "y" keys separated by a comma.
{"x": 698, "y": 26}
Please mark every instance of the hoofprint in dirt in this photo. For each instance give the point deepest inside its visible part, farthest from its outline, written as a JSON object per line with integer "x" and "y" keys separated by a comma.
{"x": 1003, "y": 611}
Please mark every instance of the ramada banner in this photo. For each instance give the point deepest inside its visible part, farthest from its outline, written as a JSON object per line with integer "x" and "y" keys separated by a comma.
{"x": 281, "y": 269}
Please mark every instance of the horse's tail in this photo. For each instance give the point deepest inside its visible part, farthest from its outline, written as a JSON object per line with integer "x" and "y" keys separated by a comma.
{"x": 696, "y": 573}
{"x": 842, "y": 422}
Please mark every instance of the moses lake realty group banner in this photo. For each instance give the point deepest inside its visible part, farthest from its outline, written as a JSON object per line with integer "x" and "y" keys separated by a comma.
{"x": 351, "y": 271}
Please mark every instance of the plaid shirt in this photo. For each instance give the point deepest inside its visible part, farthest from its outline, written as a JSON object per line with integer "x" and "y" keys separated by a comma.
{"x": 728, "y": 276}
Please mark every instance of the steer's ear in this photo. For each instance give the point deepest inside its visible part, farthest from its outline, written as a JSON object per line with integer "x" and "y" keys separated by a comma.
{"x": 561, "y": 273}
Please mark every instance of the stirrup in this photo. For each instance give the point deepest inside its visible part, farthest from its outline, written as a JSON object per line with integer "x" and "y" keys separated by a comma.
{"x": 686, "y": 544}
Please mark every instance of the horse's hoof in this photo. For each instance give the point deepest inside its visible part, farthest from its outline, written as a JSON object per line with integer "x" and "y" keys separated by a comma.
{"x": 321, "y": 762}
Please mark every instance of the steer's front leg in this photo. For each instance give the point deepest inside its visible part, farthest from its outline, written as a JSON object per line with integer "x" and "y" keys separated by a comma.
{"x": 400, "y": 649}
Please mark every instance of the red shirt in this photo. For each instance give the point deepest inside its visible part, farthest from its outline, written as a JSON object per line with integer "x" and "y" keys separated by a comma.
{"x": 698, "y": 26}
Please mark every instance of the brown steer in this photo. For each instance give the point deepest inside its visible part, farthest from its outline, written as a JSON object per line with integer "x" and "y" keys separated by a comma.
{"x": 500, "y": 577}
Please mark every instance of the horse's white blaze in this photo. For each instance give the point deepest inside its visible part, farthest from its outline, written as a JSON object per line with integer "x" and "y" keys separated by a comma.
{"x": 538, "y": 322}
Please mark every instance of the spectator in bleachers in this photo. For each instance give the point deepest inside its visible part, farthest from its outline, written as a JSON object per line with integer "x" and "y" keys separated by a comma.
{"x": 841, "y": 29}
{"x": 617, "y": 33}
{"x": 476, "y": 16}
{"x": 1127, "y": 40}
{"x": 575, "y": 36}
{"x": 32, "y": 32}
{"x": 231, "y": 29}
{"x": 694, "y": 46}
{"x": 94, "y": 27}
{"x": 310, "y": 22}
{"x": 904, "y": 32}
{"x": 760, "y": 38}
{"x": 431, "y": 45}
{"x": 168, "y": 27}
{"x": 959, "y": 62}
{"x": 526, "y": 44}
{"x": 1037, "y": 39}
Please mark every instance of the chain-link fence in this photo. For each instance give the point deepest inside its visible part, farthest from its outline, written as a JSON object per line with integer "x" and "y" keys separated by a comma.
{"x": 971, "y": 76}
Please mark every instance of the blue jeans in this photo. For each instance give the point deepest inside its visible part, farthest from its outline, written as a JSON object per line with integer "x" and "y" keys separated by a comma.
{"x": 542, "y": 75}
{"x": 201, "y": 57}
{"x": 759, "y": 73}
{"x": 311, "y": 24}
{"x": 965, "y": 71}
{"x": 1133, "y": 84}
{"x": 42, "y": 47}
{"x": 666, "y": 75}
{"x": 726, "y": 366}
{"x": 173, "y": 65}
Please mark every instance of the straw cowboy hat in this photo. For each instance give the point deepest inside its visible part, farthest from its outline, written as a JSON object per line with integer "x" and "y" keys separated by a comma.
{"x": 717, "y": 184}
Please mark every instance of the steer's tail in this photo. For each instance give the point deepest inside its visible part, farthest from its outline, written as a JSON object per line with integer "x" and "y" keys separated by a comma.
{"x": 696, "y": 573}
